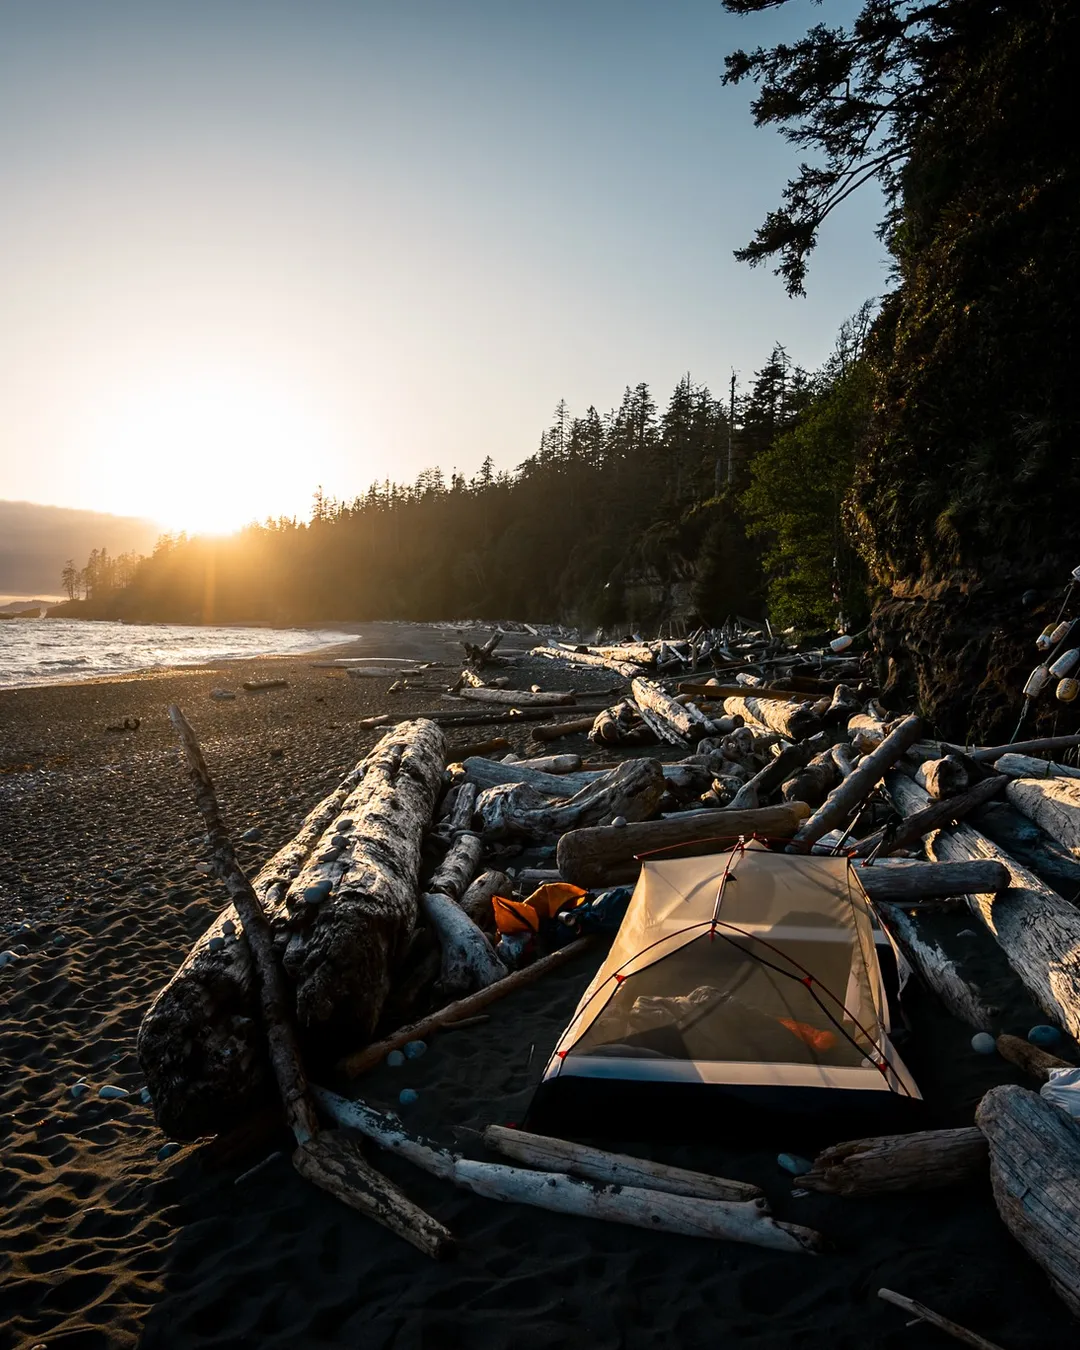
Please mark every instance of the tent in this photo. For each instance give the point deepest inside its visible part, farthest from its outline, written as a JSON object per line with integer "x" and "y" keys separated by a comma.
{"x": 739, "y": 985}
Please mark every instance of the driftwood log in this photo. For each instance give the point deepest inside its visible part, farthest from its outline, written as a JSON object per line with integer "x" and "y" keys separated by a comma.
{"x": 343, "y": 948}
{"x": 957, "y": 989}
{"x": 607, "y": 855}
{"x": 515, "y": 810}
{"x": 200, "y": 1045}
{"x": 476, "y": 902}
{"x": 793, "y": 721}
{"x": 1053, "y": 804}
{"x": 613, "y": 1169}
{"x": 1030, "y": 1057}
{"x": 922, "y": 1313}
{"x": 1027, "y": 766}
{"x": 943, "y": 778}
{"x": 575, "y": 727}
{"x": 813, "y": 783}
{"x": 678, "y": 723}
{"x": 1035, "y": 1173}
{"x": 486, "y": 773}
{"x": 735, "y": 1220}
{"x": 468, "y": 958}
{"x": 360, "y": 1061}
{"x": 627, "y": 669}
{"x": 331, "y": 1161}
{"x": 991, "y": 753}
{"x": 925, "y": 1161}
{"x": 934, "y": 815}
{"x": 842, "y": 801}
{"x": 900, "y": 882}
{"x": 1038, "y": 931}
{"x": 791, "y": 759}
{"x": 558, "y": 764}
{"x": 1030, "y": 845}
{"x": 518, "y": 698}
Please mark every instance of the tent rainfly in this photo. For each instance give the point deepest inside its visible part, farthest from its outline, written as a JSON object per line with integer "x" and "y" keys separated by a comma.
{"x": 747, "y": 982}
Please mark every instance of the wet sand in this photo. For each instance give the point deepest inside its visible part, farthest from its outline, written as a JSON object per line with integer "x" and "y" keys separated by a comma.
{"x": 102, "y": 1244}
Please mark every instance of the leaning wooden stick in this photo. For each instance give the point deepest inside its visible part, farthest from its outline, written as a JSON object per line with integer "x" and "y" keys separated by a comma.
{"x": 925, "y": 1314}
{"x": 373, "y": 1054}
{"x": 328, "y": 1160}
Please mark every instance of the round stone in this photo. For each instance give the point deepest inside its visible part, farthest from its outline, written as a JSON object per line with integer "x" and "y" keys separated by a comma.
{"x": 794, "y": 1163}
{"x": 216, "y": 944}
{"x": 318, "y": 892}
{"x": 1045, "y": 1037}
{"x": 166, "y": 1151}
{"x": 395, "y": 1059}
{"x": 407, "y": 1096}
{"x": 229, "y": 928}
{"x": 253, "y": 835}
{"x": 111, "y": 1093}
{"x": 414, "y": 1049}
{"x": 79, "y": 1089}
{"x": 619, "y": 822}
{"x": 983, "y": 1043}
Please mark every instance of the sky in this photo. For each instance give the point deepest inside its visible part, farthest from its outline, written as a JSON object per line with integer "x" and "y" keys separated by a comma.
{"x": 252, "y": 247}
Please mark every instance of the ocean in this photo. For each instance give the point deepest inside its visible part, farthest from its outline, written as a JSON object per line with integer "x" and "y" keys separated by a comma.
{"x": 53, "y": 651}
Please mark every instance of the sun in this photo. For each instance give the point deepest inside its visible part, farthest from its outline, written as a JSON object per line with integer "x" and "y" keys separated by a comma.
{"x": 209, "y": 452}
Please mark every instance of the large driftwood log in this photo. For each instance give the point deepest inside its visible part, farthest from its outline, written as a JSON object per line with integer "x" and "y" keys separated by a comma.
{"x": 813, "y": 783}
{"x": 607, "y": 855}
{"x": 1027, "y": 766}
{"x": 613, "y": 1169}
{"x": 518, "y": 698}
{"x": 925, "y": 1161}
{"x": 1023, "y": 840}
{"x": 476, "y": 902}
{"x": 957, "y": 989}
{"x": 794, "y": 721}
{"x": 735, "y": 1220}
{"x": 1053, "y": 804}
{"x": 1035, "y": 1173}
{"x": 843, "y": 800}
{"x": 367, "y": 1058}
{"x": 943, "y": 778}
{"x": 627, "y": 669}
{"x": 1038, "y": 931}
{"x": 519, "y": 811}
{"x": 901, "y": 882}
{"x": 200, "y": 1045}
{"x": 557, "y": 730}
{"x": 486, "y": 773}
{"x": 330, "y": 1161}
{"x": 934, "y": 815}
{"x": 678, "y": 723}
{"x": 343, "y": 947}
{"x": 468, "y": 958}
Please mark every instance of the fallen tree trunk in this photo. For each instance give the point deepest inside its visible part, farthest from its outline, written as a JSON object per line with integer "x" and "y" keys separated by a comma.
{"x": 1029, "y": 1057}
{"x": 627, "y": 669}
{"x": 991, "y": 753}
{"x": 943, "y": 778}
{"x": 842, "y": 801}
{"x": 518, "y": 698}
{"x": 678, "y": 723}
{"x": 793, "y": 721}
{"x": 200, "y": 1045}
{"x": 1038, "y": 931}
{"x": 476, "y": 902}
{"x": 737, "y": 1221}
{"x": 957, "y": 989}
{"x": 1023, "y": 840}
{"x": 935, "y": 815}
{"x": 1027, "y": 766}
{"x": 607, "y": 855}
{"x": 574, "y": 727}
{"x": 519, "y": 811}
{"x": 925, "y": 1161}
{"x": 1035, "y": 1173}
{"x": 813, "y": 783}
{"x": 1053, "y": 804}
{"x": 901, "y": 882}
{"x": 468, "y": 958}
{"x": 613, "y": 1169}
{"x": 367, "y": 1058}
{"x": 486, "y": 773}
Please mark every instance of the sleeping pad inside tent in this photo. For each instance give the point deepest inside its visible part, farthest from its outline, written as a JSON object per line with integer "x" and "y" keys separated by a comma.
{"x": 741, "y": 986}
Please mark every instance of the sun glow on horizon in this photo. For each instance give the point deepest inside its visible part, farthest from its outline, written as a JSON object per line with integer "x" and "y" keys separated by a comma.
{"x": 209, "y": 453}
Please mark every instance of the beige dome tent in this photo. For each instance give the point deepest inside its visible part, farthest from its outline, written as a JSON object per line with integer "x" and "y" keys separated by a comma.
{"x": 742, "y": 979}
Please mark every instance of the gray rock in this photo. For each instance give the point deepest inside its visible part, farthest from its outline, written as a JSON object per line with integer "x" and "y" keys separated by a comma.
{"x": 252, "y": 836}
{"x": 317, "y": 893}
{"x": 216, "y": 943}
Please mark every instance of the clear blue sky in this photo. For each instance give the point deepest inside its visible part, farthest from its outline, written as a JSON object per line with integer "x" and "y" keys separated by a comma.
{"x": 250, "y": 246}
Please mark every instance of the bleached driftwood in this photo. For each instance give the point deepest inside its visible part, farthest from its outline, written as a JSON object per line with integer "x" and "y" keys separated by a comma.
{"x": 957, "y": 989}
{"x": 200, "y": 1046}
{"x": 486, "y": 773}
{"x": 790, "y": 760}
{"x": 331, "y": 1162}
{"x": 1053, "y": 804}
{"x": 361, "y": 1060}
{"x": 459, "y": 866}
{"x": 519, "y": 811}
{"x": 922, "y": 1313}
{"x": 925, "y": 1161}
{"x": 574, "y": 727}
{"x": 1027, "y": 766}
{"x": 607, "y": 855}
{"x": 1030, "y": 845}
{"x": 813, "y": 783}
{"x": 794, "y": 721}
{"x": 614, "y": 1169}
{"x": 1035, "y": 1173}
{"x": 518, "y": 698}
{"x": 559, "y": 764}
{"x": 943, "y": 778}
{"x": 344, "y": 946}
{"x": 476, "y": 902}
{"x": 678, "y": 723}
{"x": 735, "y": 1220}
{"x": 627, "y": 669}
{"x": 934, "y": 815}
{"x": 842, "y": 801}
{"x": 901, "y": 882}
{"x": 1038, "y": 931}
{"x": 468, "y": 958}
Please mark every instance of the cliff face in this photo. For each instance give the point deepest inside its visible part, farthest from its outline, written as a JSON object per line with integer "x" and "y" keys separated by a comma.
{"x": 966, "y": 500}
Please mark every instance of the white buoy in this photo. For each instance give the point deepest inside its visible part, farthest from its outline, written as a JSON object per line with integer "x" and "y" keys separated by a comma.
{"x": 1066, "y": 663}
{"x": 1037, "y": 681}
{"x": 842, "y": 643}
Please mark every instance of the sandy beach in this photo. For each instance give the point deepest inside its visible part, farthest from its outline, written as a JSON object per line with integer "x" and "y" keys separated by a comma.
{"x": 103, "y": 887}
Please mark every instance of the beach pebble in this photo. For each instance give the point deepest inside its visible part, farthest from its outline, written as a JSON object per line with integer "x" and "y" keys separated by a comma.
{"x": 21, "y": 949}
{"x": 317, "y": 893}
{"x": 145, "y": 1098}
{"x": 111, "y": 1093}
{"x": 793, "y": 1163}
{"x": 1043, "y": 1036}
{"x": 983, "y": 1043}
{"x": 414, "y": 1049}
{"x": 6, "y": 959}
{"x": 253, "y": 835}
{"x": 229, "y": 928}
{"x": 347, "y": 823}
{"x": 407, "y": 1096}
{"x": 619, "y": 822}
{"x": 967, "y": 932}
{"x": 60, "y": 940}
{"x": 340, "y": 841}
{"x": 222, "y": 693}
{"x": 166, "y": 1151}
{"x": 395, "y": 1059}
{"x": 277, "y": 752}
{"x": 216, "y": 943}
{"x": 79, "y": 1089}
